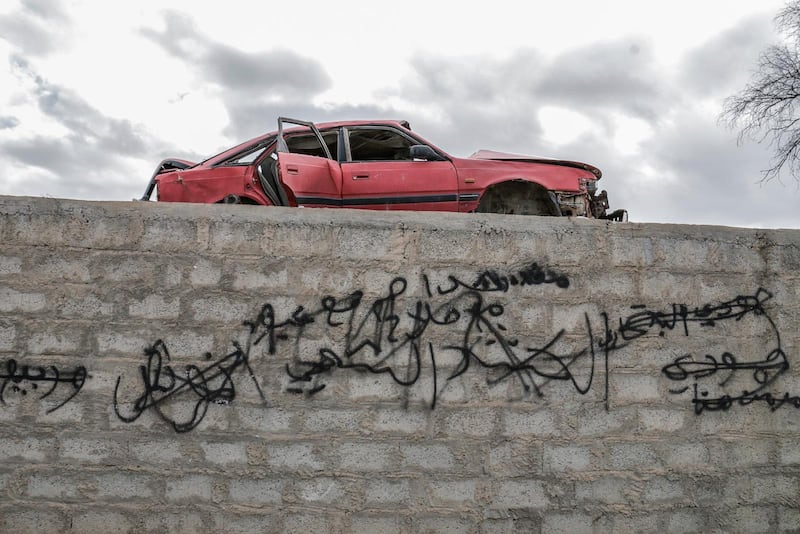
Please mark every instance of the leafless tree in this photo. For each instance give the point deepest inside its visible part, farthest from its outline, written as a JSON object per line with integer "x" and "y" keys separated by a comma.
{"x": 768, "y": 108}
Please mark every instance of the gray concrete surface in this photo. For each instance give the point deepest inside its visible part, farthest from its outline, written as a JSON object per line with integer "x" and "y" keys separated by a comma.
{"x": 186, "y": 368}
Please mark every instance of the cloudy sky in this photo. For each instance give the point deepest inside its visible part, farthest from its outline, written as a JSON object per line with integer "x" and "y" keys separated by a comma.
{"x": 94, "y": 93}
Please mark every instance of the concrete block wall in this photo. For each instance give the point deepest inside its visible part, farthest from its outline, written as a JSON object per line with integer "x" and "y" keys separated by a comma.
{"x": 181, "y": 368}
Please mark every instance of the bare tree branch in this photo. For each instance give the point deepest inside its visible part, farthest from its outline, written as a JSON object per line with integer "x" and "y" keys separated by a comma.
{"x": 768, "y": 108}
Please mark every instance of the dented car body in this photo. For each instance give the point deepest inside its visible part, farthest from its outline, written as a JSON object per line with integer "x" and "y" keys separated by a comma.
{"x": 380, "y": 165}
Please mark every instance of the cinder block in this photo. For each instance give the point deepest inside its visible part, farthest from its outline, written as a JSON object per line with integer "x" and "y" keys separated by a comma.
{"x": 265, "y": 521}
{"x": 225, "y": 453}
{"x": 28, "y": 449}
{"x": 204, "y": 273}
{"x": 784, "y": 488}
{"x": 638, "y": 388}
{"x": 53, "y": 486}
{"x": 235, "y": 234}
{"x": 434, "y": 456}
{"x": 606, "y": 490}
{"x": 476, "y": 422}
{"x": 88, "y": 450}
{"x": 442, "y": 525}
{"x": 576, "y": 523}
{"x": 259, "y": 418}
{"x": 384, "y": 492}
{"x": 174, "y": 521}
{"x": 256, "y": 491}
{"x": 156, "y": 307}
{"x": 53, "y": 341}
{"x": 540, "y": 423}
{"x": 566, "y": 458}
{"x": 97, "y": 522}
{"x": 122, "y": 485}
{"x": 453, "y": 491}
{"x": 401, "y": 421}
{"x": 260, "y": 278}
{"x": 221, "y": 309}
{"x": 156, "y": 452}
{"x": 20, "y": 520}
{"x": 8, "y": 335}
{"x": 628, "y": 251}
{"x": 190, "y": 488}
{"x": 301, "y": 523}
{"x": 336, "y": 421}
{"x": 658, "y": 420}
{"x": 61, "y": 269}
{"x": 86, "y": 306}
{"x": 788, "y": 519}
{"x": 686, "y": 521}
{"x": 663, "y": 489}
{"x": 124, "y": 269}
{"x": 789, "y": 452}
{"x": 10, "y": 265}
{"x": 366, "y": 456}
{"x": 686, "y": 455}
{"x": 324, "y": 490}
{"x": 294, "y": 456}
{"x": 513, "y": 459}
{"x": 638, "y": 522}
{"x": 594, "y": 421}
{"x": 633, "y": 456}
{"x": 520, "y": 493}
{"x": 749, "y": 519}
{"x": 361, "y": 524}
{"x": 18, "y": 301}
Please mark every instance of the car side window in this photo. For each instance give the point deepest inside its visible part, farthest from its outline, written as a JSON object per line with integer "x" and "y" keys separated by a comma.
{"x": 309, "y": 145}
{"x": 378, "y": 144}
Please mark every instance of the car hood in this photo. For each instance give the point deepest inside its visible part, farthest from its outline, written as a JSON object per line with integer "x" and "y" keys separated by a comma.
{"x": 506, "y": 156}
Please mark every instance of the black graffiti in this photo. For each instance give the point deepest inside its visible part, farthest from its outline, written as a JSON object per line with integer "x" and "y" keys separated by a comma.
{"x": 492, "y": 280}
{"x": 478, "y": 321}
{"x": 405, "y": 338}
{"x": 721, "y": 370}
{"x": 383, "y": 337}
{"x": 203, "y": 386}
{"x": 16, "y": 378}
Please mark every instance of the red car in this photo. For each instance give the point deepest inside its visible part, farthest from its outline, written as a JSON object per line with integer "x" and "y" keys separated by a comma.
{"x": 380, "y": 165}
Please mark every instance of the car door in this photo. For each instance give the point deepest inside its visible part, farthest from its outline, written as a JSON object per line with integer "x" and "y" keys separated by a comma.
{"x": 315, "y": 182}
{"x": 380, "y": 173}
{"x": 305, "y": 165}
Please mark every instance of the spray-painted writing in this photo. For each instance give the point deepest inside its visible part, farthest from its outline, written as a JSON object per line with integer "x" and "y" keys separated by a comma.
{"x": 463, "y": 325}
{"x": 16, "y": 379}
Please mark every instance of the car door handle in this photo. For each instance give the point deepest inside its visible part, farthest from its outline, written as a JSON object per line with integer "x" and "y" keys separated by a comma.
{"x": 292, "y": 169}
{"x": 361, "y": 177}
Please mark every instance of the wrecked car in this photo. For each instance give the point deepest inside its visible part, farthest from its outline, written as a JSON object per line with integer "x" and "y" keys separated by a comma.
{"x": 380, "y": 165}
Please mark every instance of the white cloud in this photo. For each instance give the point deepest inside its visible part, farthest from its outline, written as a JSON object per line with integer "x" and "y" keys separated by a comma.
{"x": 561, "y": 126}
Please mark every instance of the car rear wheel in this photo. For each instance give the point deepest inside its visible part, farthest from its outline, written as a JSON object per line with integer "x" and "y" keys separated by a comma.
{"x": 518, "y": 198}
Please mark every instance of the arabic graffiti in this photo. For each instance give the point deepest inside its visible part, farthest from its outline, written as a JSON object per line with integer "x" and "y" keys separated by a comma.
{"x": 758, "y": 374}
{"x": 16, "y": 379}
{"x": 458, "y": 326}
{"x": 206, "y": 385}
{"x": 706, "y": 395}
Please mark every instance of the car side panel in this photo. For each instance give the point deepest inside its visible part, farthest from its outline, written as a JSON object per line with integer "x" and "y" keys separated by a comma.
{"x": 400, "y": 185}
{"x": 475, "y": 176}
{"x": 208, "y": 185}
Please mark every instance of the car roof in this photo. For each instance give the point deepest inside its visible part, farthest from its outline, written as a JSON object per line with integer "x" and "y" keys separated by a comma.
{"x": 230, "y": 152}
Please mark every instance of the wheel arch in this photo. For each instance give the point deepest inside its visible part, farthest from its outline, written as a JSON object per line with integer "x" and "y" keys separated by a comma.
{"x": 522, "y": 188}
